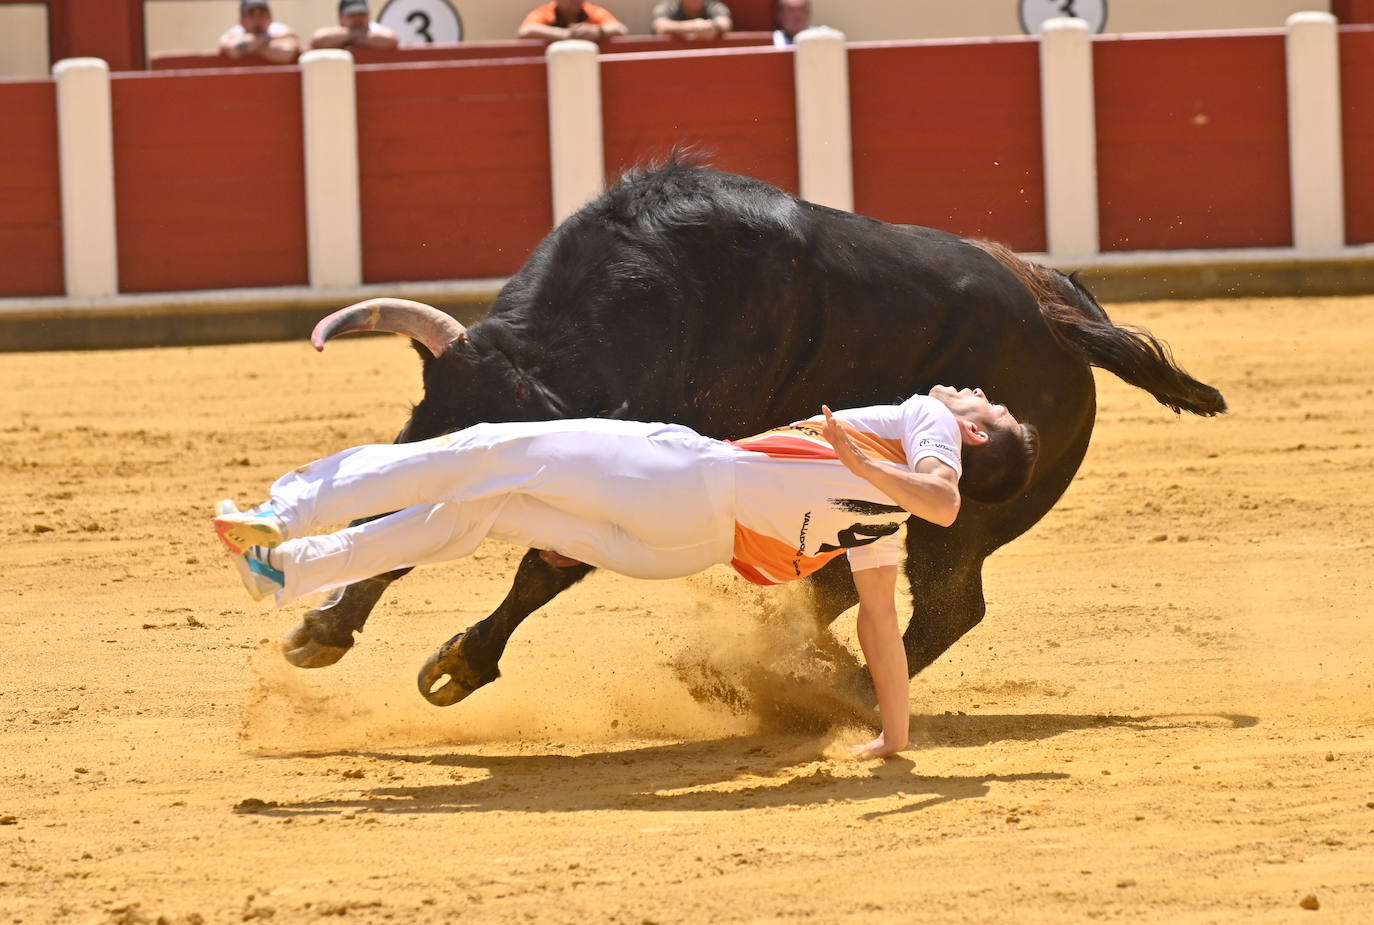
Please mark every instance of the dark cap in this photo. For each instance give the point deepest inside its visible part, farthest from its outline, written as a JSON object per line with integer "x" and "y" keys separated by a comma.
{"x": 246, "y": 5}
{"x": 352, "y": 6}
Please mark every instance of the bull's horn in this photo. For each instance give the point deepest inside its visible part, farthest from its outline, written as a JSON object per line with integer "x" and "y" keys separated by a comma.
{"x": 417, "y": 320}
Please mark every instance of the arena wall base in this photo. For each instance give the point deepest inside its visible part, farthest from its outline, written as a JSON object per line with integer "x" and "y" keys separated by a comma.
{"x": 182, "y": 319}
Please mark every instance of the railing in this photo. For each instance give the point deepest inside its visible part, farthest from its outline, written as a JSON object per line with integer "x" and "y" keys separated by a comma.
{"x": 1076, "y": 147}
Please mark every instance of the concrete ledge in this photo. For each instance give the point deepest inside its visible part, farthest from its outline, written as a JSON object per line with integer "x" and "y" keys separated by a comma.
{"x": 1209, "y": 274}
{"x": 222, "y": 316}
{"x": 230, "y": 316}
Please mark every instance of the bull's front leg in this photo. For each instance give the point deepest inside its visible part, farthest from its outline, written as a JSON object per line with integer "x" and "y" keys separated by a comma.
{"x": 325, "y": 634}
{"x": 470, "y": 659}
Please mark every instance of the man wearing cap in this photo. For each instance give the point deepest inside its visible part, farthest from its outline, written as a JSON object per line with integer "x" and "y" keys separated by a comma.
{"x": 570, "y": 19}
{"x": 257, "y": 36}
{"x": 691, "y": 19}
{"x": 355, "y": 29}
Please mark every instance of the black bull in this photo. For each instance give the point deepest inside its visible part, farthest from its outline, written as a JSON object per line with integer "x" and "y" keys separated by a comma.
{"x": 717, "y": 301}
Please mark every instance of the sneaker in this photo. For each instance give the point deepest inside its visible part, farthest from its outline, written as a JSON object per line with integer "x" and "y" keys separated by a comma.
{"x": 255, "y": 571}
{"x": 257, "y": 574}
{"x": 241, "y": 529}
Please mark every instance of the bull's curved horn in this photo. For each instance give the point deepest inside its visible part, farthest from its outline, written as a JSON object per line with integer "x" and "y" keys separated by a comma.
{"x": 417, "y": 320}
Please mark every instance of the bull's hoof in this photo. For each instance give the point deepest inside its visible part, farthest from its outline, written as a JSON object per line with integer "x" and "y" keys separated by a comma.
{"x": 302, "y": 650}
{"x": 446, "y": 676}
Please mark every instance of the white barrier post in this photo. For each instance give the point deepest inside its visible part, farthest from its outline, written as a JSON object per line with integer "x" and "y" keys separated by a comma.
{"x": 825, "y": 155}
{"x": 1069, "y": 138}
{"x": 85, "y": 145}
{"x": 1314, "y": 131}
{"x": 576, "y": 147}
{"x": 333, "y": 210}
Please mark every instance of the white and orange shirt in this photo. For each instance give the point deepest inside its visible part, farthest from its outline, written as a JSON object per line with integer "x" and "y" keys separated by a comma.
{"x": 798, "y": 507}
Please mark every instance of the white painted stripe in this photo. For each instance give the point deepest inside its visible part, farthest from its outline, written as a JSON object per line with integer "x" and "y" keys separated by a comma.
{"x": 332, "y": 202}
{"x": 1069, "y": 130}
{"x": 824, "y": 149}
{"x": 1314, "y": 131}
{"x": 576, "y": 147}
{"x": 85, "y": 146}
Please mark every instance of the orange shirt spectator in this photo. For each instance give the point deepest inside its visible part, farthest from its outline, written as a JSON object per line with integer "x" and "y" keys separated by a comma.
{"x": 570, "y": 19}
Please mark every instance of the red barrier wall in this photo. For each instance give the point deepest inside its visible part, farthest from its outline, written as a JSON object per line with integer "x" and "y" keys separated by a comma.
{"x": 30, "y": 191}
{"x": 1353, "y": 11}
{"x": 454, "y": 163}
{"x": 1357, "y": 125}
{"x": 1192, "y": 141}
{"x": 948, "y": 135}
{"x": 209, "y": 180}
{"x": 109, "y": 29}
{"x": 738, "y": 106}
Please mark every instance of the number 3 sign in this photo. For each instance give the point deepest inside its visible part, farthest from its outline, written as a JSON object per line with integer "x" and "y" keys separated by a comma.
{"x": 422, "y": 21}
{"x": 1035, "y": 12}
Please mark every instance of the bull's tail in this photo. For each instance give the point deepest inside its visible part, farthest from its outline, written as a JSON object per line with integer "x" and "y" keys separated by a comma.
{"x": 1080, "y": 325}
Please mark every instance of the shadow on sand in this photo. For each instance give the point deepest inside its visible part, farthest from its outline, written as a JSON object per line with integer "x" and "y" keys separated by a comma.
{"x": 759, "y": 771}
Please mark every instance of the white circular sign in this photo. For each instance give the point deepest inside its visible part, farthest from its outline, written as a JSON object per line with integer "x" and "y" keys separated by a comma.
{"x": 1035, "y": 12}
{"x": 422, "y": 22}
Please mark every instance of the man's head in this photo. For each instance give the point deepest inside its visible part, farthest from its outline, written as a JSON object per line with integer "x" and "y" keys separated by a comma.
{"x": 694, "y": 9}
{"x": 999, "y": 452}
{"x": 353, "y": 14}
{"x": 255, "y": 16}
{"x": 793, "y": 16}
{"x": 571, "y": 10}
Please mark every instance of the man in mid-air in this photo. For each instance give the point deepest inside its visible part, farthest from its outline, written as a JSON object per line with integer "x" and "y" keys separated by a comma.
{"x": 652, "y": 501}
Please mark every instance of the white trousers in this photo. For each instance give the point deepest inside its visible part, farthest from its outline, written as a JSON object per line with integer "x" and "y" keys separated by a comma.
{"x": 644, "y": 500}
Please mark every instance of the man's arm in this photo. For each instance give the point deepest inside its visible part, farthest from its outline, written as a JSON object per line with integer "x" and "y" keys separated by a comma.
{"x": 931, "y": 492}
{"x": 329, "y": 37}
{"x": 234, "y": 44}
{"x": 379, "y": 36}
{"x": 376, "y": 36}
{"x": 281, "y": 49}
{"x": 537, "y": 30}
{"x": 881, "y": 640}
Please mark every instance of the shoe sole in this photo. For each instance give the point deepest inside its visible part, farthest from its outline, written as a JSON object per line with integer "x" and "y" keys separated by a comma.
{"x": 239, "y": 535}
{"x": 257, "y": 586}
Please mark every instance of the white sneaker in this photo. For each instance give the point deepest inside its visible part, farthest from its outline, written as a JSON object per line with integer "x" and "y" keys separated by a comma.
{"x": 255, "y": 571}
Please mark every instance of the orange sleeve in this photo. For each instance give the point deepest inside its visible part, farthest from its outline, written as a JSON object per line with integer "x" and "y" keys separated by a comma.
{"x": 599, "y": 16}
{"x": 541, "y": 15}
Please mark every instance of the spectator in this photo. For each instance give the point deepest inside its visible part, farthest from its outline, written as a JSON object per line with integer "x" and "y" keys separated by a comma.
{"x": 257, "y": 36}
{"x": 691, "y": 19}
{"x": 355, "y": 29}
{"x": 570, "y": 19}
{"x": 792, "y": 17}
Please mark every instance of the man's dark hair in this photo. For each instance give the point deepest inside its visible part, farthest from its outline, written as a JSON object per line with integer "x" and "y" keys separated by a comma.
{"x": 997, "y": 471}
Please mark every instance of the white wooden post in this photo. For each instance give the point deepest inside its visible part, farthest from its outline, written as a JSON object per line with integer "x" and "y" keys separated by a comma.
{"x": 85, "y": 146}
{"x": 1314, "y": 131}
{"x": 333, "y": 209}
{"x": 825, "y": 155}
{"x": 576, "y": 146}
{"x": 1069, "y": 138}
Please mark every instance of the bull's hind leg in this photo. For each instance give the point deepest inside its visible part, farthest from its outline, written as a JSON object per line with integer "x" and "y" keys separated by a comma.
{"x": 470, "y": 659}
{"x": 947, "y": 596}
{"x": 325, "y": 634}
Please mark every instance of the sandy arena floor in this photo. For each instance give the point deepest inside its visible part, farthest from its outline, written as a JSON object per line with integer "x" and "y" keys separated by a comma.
{"x": 1168, "y": 714}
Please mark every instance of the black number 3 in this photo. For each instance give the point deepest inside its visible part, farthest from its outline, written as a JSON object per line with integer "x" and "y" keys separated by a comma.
{"x": 422, "y": 18}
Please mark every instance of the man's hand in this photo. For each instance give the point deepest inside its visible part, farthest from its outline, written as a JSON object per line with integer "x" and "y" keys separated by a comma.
{"x": 854, "y": 459}
{"x": 585, "y": 30}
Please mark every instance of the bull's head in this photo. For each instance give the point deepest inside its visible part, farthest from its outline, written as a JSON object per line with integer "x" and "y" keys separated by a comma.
{"x": 465, "y": 382}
